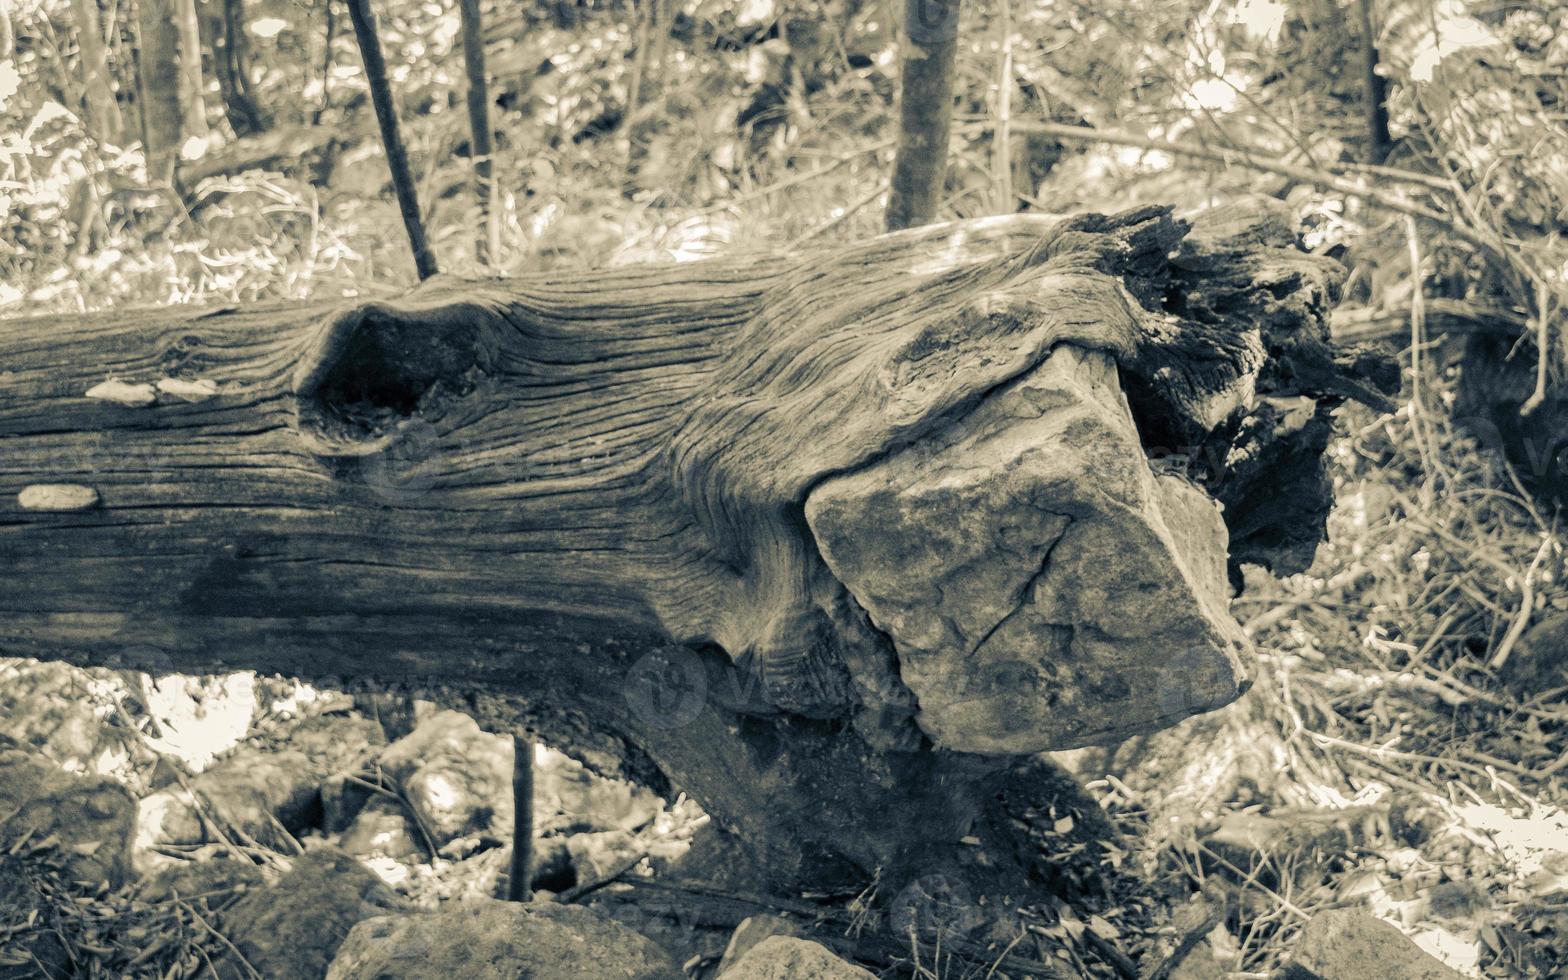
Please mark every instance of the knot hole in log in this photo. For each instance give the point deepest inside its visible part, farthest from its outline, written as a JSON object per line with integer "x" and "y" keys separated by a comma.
{"x": 372, "y": 371}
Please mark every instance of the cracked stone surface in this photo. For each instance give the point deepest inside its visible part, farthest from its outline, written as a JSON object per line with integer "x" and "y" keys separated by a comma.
{"x": 1043, "y": 588}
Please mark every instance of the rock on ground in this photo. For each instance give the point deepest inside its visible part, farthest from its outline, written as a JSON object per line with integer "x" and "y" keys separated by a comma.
{"x": 294, "y": 928}
{"x": 788, "y": 958}
{"x": 45, "y": 706}
{"x": 752, "y": 931}
{"x": 383, "y": 829}
{"x": 93, "y": 817}
{"x": 455, "y": 776}
{"x": 261, "y": 790}
{"x": 219, "y": 877}
{"x": 1345, "y": 944}
{"x": 490, "y": 940}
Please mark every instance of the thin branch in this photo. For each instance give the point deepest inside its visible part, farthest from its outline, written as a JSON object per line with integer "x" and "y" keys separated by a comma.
{"x": 481, "y": 148}
{"x": 519, "y": 883}
{"x": 1319, "y": 178}
{"x": 391, "y": 135}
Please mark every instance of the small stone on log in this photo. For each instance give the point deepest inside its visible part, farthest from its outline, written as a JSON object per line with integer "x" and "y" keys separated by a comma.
{"x": 122, "y": 393}
{"x": 189, "y": 391}
{"x": 57, "y": 497}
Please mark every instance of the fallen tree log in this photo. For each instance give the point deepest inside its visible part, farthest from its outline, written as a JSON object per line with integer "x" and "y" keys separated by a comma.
{"x": 826, "y": 541}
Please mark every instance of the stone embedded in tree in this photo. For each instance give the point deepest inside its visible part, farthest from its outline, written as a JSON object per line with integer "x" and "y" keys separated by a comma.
{"x": 641, "y": 512}
{"x": 1043, "y": 588}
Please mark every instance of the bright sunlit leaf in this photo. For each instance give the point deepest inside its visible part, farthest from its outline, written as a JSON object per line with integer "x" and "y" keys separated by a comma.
{"x": 9, "y": 81}
{"x": 268, "y": 27}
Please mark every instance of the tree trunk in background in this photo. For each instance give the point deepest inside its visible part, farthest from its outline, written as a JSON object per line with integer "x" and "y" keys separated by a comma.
{"x": 481, "y": 144}
{"x": 825, "y": 541}
{"x": 391, "y": 135}
{"x": 925, "y": 111}
{"x": 103, "y": 111}
{"x": 225, "y": 29}
{"x": 193, "y": 100}
{"x": 646, "y": 87}
{"x": 7, "y": 32}
{"x": 1379, "y": 141}
{"x": 158, "y": 32}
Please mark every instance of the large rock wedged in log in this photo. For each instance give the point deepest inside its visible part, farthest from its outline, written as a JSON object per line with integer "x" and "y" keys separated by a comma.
{"x": 1042, "y": 586}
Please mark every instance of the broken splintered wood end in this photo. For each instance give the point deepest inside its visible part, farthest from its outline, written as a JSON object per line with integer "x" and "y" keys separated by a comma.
{"x": 190, "y": 391}
{"x": 58, "y": 497}
{"x": 122, "y": 393}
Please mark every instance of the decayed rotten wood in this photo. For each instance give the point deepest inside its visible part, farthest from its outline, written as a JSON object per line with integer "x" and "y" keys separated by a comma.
{"x": 628, "y": 510}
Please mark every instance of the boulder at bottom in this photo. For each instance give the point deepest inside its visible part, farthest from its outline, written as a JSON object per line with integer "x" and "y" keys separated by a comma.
{"x": 788, "y": 958}
{"x": 93, "y": 818}
{"x": 294, "y": 928}
{"x": 1344, "y": 944}
{"x": 485, "y": 939}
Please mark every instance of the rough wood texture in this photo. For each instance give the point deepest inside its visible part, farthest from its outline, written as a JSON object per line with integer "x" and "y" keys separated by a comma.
{"x": 598, "y": 508}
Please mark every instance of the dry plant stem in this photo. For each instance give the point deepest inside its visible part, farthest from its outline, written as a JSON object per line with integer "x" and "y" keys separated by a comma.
{"x": 1318, "y": 178}
{"x": 1543, "y": 301}
{"x": 201, "y": 920}
{"x": 1001, "y": 147}
{"x": 1526, "y": 604}
{"x": 1417, "y": 409}
{"x": 391, "y": 135}
{"x": 1379, "y": 141}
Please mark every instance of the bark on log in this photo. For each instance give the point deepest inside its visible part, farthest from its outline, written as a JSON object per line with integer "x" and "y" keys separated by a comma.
{"x": 823, "y": 539}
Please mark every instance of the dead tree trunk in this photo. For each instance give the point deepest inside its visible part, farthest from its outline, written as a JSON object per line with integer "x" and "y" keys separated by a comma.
{"x": 825, "y": 541}
{"x": 193, "y": 88}
{"x": 103, "y": 112}
{"x": 158, "y": 35}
